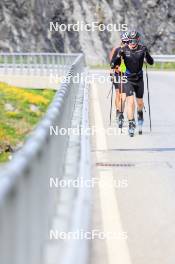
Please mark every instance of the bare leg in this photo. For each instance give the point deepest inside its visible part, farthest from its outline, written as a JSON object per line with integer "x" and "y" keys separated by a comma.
{"x": 131, "y": 107}
{"x": 140, "y": 104}
{"x": 123, "y": 97}
{"x": 117, "y": 99}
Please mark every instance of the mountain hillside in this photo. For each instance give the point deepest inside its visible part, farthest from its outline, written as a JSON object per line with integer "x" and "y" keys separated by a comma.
{"x": 25, "y": 25}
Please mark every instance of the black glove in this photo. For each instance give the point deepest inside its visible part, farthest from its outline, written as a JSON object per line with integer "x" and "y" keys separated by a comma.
{"x": 121, "y": 53}
{"x": 112, "y": 65}
{"x": 145, "y": 49}
{"x": 112, "y": 76}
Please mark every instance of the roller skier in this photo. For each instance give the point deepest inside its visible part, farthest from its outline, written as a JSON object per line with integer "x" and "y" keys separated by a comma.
{"x": 116, "y": 79}
{"x": 133, "y": 55}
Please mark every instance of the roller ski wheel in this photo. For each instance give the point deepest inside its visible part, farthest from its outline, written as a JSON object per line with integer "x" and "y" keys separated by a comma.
{"x": 140, "y": 132}
{"x": 131, "y": 133}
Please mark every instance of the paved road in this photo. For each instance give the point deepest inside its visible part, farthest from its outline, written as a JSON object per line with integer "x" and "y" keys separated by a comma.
{"x": 142, "y": 203}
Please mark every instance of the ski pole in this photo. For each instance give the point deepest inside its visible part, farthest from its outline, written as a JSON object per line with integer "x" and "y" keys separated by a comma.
{"x": 149, "y": 107}
{"x": 112, "y": 80}
{"x": 111, "y": 102}
{"x": 109, "y": 93}
{"x": 121, "y": 91}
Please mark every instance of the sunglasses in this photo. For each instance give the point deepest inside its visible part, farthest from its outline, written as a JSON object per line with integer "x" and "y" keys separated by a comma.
{"x": 125, "y": 41}
{"x": 133, "y": 41}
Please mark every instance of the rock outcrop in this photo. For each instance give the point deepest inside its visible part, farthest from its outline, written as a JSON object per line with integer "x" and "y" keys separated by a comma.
{"x": 25, "y": 25}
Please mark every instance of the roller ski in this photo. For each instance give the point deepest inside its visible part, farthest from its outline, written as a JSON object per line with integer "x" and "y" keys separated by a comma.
{"x": 140, "y": 121}
{"x": 132, "y": 127}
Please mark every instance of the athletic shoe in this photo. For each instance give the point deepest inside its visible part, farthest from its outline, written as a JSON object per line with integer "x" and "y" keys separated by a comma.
{"x": 131, "y": 128}
{"x": 120, "y": 120}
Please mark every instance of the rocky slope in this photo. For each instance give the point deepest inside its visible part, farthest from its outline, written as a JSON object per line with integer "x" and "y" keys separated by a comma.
{"x": 155, "y": 19}
{"x": 25, "y": 25}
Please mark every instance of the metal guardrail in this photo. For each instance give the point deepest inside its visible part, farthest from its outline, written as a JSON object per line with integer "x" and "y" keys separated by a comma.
{"x": 35, "y": 63}
{"x": 77, "y": 251}
{"x": 47, "y": 63}
{"x": 27, "y": 205}
{"x": 164, "y": 58}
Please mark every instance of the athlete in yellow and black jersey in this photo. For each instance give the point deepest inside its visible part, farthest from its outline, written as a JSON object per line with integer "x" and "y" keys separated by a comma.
{"x": 116, "y": 78}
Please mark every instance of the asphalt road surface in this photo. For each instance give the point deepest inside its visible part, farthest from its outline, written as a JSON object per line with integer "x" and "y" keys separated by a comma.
{"x": 135, "y": 196}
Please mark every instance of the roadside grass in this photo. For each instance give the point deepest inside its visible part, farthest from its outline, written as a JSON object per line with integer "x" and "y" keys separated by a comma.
{"x": 20, "y": 111}
{"x": 156, "y": 66}
{"x": 162, "y": 66}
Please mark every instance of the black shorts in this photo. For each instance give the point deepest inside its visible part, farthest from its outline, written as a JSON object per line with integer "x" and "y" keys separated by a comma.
{"x": 117, "y": 82}
{"x": 134, "y": 85}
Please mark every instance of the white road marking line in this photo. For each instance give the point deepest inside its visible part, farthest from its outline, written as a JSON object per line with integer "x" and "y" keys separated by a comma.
{"x": 117, "y": 249}
{"x": 100, "y": 138}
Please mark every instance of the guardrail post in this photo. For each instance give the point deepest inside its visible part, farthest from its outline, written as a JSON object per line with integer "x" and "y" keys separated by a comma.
{"x": 53, "y": 64}
{"x": 29, "y": 67}
{"x": 40, "y": 59}
{"x": 21, "y": 67}
{"x": 14, "y": 64}
{"x": 35, "y": 58}
{"x": 5, "y": 64}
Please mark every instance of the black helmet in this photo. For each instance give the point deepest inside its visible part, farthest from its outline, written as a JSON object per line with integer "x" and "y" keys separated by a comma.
{"x": 134, "y": 36}
{"x": 124, "y": 37}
